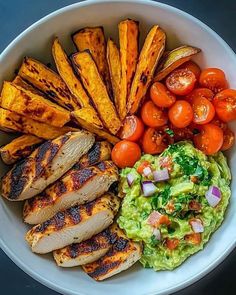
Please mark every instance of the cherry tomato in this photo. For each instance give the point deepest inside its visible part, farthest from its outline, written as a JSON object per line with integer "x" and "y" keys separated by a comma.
{"x": 203, "y": 110}
{"x": 192, "y": 67}
{"x": 152, "y": 115}
{"x": 153, "y": 141}
{"x": 181, "y": 114}
{"x": 125, "y": 153}
{"x": 225, "y": 105}
{"x": 171, "y": 244}
{"x": 142, "y": 166}
{"x": 200, "y": 92}
{"x": 210, "y": 139}
{"x": 181, "y": 82}
{"x": 213, "y": 79}
{"x": 161, "y": 96}
{"x": 229, "y": 139}
{"x": 194, "y": 238}
{"x": 132, "y": 128}
{"x": 219, "y": 123}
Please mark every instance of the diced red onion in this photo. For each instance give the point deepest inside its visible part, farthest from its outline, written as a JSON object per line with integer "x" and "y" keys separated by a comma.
{"x": 161, "y": 175}
{"x": 197, "y": 226}
{"x": 213, "y": 196}
{"x": 147, "y": 171}
{"x": 130, "y": 178}
{"x": 153, "y": 218}
{"x": 157, "y": 233}
{"x": 148, "y": 188}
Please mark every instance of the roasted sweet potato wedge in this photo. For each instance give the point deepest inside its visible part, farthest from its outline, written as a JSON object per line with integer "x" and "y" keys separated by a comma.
{"x": 19, "y": 148}
{"x": 86, "y": 124}
{"x": 113, "y": 60}
{"x": 87, "y": 114}
{"x": 93, "y": 39}
{"x": 174, "y": 59}
{"x": 32, "y": 105}
{"x": 151, "y": 53}
{"x": 48, "y": 82}
{"x": 129, "y": 39}
{"x": 123, "y": 254}
{"x": 12, "y": 122}
{"x": 96, "y": 88}
{"x": 18, "y": 81}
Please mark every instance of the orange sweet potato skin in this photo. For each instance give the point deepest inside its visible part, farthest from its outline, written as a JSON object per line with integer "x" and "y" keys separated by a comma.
{"x": 93, "y": 39}
{"x": 48, "y": 82}
{"x": 96, "y": 88}
{"x": 151, "y": 53}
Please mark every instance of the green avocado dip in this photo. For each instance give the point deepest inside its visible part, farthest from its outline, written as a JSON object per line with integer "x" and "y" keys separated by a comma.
{"x": 177, "y": 219}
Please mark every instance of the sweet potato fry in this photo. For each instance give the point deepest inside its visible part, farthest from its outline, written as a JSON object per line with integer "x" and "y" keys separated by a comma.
{"x": 18, "y": 81}
{"x": 151, "y": 53}
{"x": 86, "y": 124}
{"x": 19, "y": 148}
{"x": 11, "y": 121}
{"x": 93, "y": 83}
{"x": 64, "y": 68}
{"x": 48, "y": 82}
{"x": 87, "y": 114}
{"x": 174, "y": 59}
{"x": 93, "y": 39}
{"x": 113, "y": 60}
{"x": 129, "y": 38}
{"x": 32, "y": 105}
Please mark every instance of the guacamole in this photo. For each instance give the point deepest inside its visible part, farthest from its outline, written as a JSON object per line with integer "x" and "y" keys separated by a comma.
{"x": 181, "y": 199}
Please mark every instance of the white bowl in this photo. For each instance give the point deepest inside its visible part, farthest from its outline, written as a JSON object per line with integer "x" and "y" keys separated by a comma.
{"x": 181, "y": 28}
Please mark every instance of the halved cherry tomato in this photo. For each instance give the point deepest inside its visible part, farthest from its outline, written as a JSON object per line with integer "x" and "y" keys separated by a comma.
{"x": 203, "y": 110}
{"x": 153, "y": 141}
{"x": 213, "y": 79}
{"x": 152, "y": 115}
{"x": 125, "y": 153}
{"x": 132, "y": 128}
{"x": 171, "y": 244}
{"x": 210, "y": 139}
{"x": 225, "y": 105}
{"x": 161, "y": 96}
{"x": 193, "y": 67}
{"x": 142, "y": 166}
{"x": 219, "y": 123}
{"x": 194, "y": 238}
{"x": 229, "y": 139}
{"x": 200, "y": 92}
{"x": 181, "y": 82}
{"x": 181, "y": 114}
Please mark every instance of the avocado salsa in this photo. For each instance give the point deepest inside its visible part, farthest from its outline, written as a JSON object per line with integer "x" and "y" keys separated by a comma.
{"x": 177, "y": 219}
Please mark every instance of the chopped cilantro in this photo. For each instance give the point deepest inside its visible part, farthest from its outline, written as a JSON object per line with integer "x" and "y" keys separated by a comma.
{"x": 161, "y": 199}
{"x": 144, "y": 215}
{"x": 172, "y": 148}
{"x": 165, "y": 195}
{"x": 191, "y": 166}
{"x": 170, "y": 132}
{"x": 154, "y": 242}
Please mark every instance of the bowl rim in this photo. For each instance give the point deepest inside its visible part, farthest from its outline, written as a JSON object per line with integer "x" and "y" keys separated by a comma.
{"x": 4, "y": 247}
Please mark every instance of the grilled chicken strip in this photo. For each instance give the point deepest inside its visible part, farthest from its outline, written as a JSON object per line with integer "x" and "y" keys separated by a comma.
{"x": 45, "y": 165}
{"x": 76, "y": 187}
{"x": 123, "y": 254}
{"x": 75, "y": 224}
{"x": 86, "y": 251}
{"x": 100, "y": 151}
